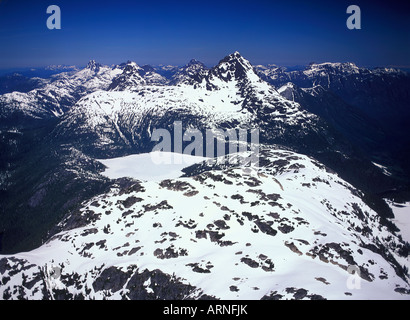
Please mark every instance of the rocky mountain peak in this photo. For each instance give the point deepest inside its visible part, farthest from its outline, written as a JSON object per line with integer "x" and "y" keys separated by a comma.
{"x": 93, "y": 66}
{"x": 191, "y": 73}
{"x": 194, "y": 62}
{"x": 233, "y": 66}
{"x": 333, "y": 68}
{"x": 131, "y": 68}
{"x": 129, "y": 78}
{"x": 236, "y": 60}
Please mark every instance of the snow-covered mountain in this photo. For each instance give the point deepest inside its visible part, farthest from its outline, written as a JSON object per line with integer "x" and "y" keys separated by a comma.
{"x": 328, "y": 74}
{"x": 292, "y": 231}
{"x": 167, "y": 71}
{"x": 227, "y": 95}
{"x": 61, "y": 68}
{"x": 52, "y": 97}
{"x": 133, "y": 76}
{"x": 57, "y": 95}
{"x": 191, "y": 73}
{"x": 367, "y": 106}
{"x": 354, "y": 124}
{"x": 128, "y": 79}
{"x": 152, "y": 77}
{"x": 361, "y": 87}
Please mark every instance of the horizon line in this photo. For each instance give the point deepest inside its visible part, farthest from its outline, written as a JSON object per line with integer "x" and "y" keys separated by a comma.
{"x": 286, "y": 65}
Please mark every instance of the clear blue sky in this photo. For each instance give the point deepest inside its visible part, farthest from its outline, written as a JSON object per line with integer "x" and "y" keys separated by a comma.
{"x": 172, "y": 32}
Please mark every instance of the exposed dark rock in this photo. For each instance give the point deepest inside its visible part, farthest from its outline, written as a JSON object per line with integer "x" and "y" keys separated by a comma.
{"x": 162, "y": 205}
{"x": 272, "y": 296}
{"x": 163, "y": 286}
{"x": 130, "y": 186}
{"x": 87, "y": 232}
{"x": 300, "y": 294}
{"x": 221, "y": 224}
{"x": 191, "y": 224}
{"x": 265, "y": 228}
{"x": 284, "y": 228}
{"x": 176, "y": 185}
{"x": 101, "y": 244}
{"x": 130, "y": 201}
{"x": 112, "y": 279}
{"x": 293, "y": 247}
{"x": 169, "y": 253}
{"x": 198, "y": 269}
{"x": 200, "y": 234}
{"x": 250, "y": 262}
{"x": 402, "y": 290}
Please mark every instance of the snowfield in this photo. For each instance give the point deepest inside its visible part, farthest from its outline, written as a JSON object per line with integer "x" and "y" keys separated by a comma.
{"x": 154, "y": 166}
{"x": 292, "y": 231}
{"x": 402, "y": 218}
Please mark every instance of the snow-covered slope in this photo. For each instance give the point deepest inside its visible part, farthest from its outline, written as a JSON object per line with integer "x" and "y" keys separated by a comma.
{"x": 292, "y": 231}
{"x": 55, "y": 97}
{"x": 402, "y": 217}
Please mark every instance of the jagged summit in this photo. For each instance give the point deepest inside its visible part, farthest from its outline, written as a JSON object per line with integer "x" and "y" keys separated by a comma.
{"x": 134, "y": 75}
{"x": 237, "y": 60}
{"x": 129, "y": 64}
{"x": 93, "y": 66}
{"x": 191, "y": 73}
{"x": 235, "y": 54}
{"x": 128, "y": 79}
{"x": 232, "y": 68}
{"x": 194, "y": 62}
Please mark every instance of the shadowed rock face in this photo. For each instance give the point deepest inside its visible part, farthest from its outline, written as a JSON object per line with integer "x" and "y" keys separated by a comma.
{"x": 367, "y": 106}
